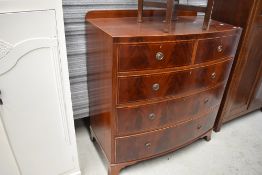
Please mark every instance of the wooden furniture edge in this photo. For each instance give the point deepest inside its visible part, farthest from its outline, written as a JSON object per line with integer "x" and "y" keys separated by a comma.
{"x": 132, "y": 13}
{"x": 234, "y": 79}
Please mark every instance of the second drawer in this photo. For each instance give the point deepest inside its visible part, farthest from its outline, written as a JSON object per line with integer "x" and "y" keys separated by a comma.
{"x": 154, "y": 116}
{"x": 146, "y": 87}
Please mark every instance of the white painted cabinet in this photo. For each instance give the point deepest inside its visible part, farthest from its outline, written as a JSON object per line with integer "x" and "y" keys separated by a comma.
{"x": 7, "y": 161}
{"x": 36, "y": 127}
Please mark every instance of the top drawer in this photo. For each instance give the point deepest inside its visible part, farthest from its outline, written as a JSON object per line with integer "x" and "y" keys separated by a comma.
{"x": 216, "y": 48}
{"x": 154, "y": 56}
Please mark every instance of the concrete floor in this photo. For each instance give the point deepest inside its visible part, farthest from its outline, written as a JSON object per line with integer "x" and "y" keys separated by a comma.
{"x": 236, "y": 150}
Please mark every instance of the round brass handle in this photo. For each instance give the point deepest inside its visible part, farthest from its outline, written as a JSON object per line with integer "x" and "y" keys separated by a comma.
{"x": 206, "y": 100}
{"x": 148, "y": 145}
{"x": 159, "y": 56}
{"x": 152, "y": 116}
{"x": 199, "y": 126}
{"x": 213, "y": 75}
{"x": 220, "y": 48}
{"x": 156, "y": 87}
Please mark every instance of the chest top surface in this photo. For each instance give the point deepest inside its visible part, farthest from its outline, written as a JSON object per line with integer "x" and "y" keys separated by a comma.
{"x": 128, "y": 27}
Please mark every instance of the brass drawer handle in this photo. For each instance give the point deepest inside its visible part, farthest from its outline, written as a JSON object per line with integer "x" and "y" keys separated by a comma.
{"x": 213, "y": 75}
{"x": 220, "y": 48}
{"x": 156, "y": 87}
{"x": 199, "y": 126}
{"x": 148, "y": 145}
{"x": 206, "y": 100}
{"x": 159, "y": 56}
{"x": 152, "y": 116}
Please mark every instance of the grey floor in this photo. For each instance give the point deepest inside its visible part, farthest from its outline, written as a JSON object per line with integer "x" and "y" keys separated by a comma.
{"x": 236, "y": 150}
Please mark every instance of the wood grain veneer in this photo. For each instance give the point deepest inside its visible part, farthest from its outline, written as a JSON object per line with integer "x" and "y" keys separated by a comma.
{"x": 216, "y": 48}
{"x": 149, "y": 86}
{"x": 171, "y": 84}
{"x": 163, "y": 140}
{"x": 140, "y": 58}
{"x": 140, "y": 118}
{"x": 243, "y": 93}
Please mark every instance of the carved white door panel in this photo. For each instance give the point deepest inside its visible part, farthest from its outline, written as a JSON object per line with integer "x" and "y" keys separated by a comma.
{"x": 34, "y": 113}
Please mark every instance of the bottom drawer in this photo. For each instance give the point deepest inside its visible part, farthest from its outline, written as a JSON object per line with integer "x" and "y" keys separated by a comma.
{"x": 145, "y": 145}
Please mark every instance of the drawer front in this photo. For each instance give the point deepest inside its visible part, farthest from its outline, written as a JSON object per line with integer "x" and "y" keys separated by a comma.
{"x": 133, "y": 120}
{"x": 216, "y": 48}
{"x": 149, "y": 144}
{"x": 137, "y": 88}
{"x": 152, "y": 56}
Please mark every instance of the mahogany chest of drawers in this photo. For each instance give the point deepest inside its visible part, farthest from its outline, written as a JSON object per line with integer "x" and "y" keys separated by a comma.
{"x": 153, "y": 92}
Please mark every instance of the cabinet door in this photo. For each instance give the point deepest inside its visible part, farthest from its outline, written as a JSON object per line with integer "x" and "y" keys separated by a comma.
{"x": 256, "y": 98}
{"x": 33, "y": 111}
{"x": 256, "y": 101}
{"x": 251, "y": 70}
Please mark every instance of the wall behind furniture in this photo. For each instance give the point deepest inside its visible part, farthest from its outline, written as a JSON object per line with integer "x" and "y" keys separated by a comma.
{"x": 74, "y": 16}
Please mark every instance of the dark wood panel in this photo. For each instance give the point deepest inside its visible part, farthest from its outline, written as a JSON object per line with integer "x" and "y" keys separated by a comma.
{"x": 258, "y": 18}
{"x": 250, "y": 70}
{"x": 148, "y": 87}
{"x": 153, "y": 143}
{"x": 235, "y": 12}
{"x": 242, "y": 82}
{"x": 153, "y": 116}
{"x": 152, "y": 56}
{"x": 216, "y": 48}
{"x": 256, "y": 102}
{"x": 256, "y": 98}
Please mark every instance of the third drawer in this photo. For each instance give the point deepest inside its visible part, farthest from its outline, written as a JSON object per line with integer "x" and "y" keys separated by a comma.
{"x": 157, "y": 115}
